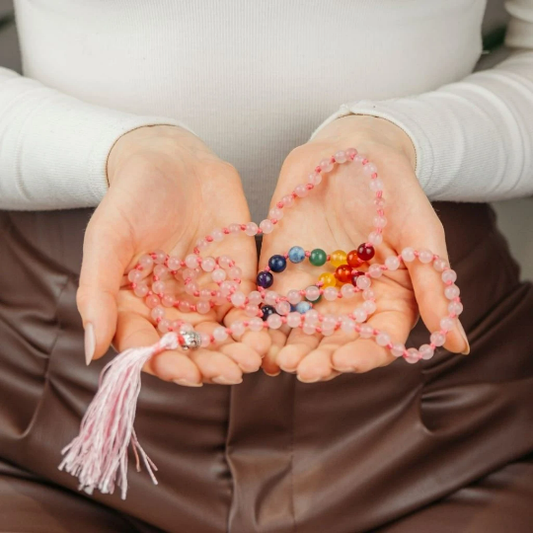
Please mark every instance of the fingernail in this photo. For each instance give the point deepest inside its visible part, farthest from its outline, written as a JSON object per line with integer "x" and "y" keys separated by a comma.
{"x": 90, "y": 343}
{"x": 308, "y": 380}
{"x": 225, "y": 381}
{"x": 465, "y": 338}
{"x": 272, "y": 375}
{"x": 186, "y": 383}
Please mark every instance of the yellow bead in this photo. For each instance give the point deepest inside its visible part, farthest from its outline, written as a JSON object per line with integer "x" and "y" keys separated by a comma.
{"x": 338, "y": 258}
{"x": 327, "y": 279}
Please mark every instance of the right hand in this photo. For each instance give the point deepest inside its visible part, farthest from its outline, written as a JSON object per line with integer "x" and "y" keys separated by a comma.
{"x": 167, "y": 190}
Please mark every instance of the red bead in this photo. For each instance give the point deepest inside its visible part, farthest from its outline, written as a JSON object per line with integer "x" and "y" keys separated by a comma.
{"x": 353, "y": 259}
{"x": 344, "y": 273}
{"x": 365, "y": 252}
{"x": 355, "y": 276}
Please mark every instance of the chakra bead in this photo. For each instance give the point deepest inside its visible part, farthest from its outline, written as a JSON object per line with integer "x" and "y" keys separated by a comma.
{"x": 365, "y": 252}
{"x": 344, "y": 273}
{"x": 296, "y": 254}
{"x": 303, "y": 307}
{"x": 265, "y": 279}
{"x": 267, "y": 311}
{"x": 318, "y": 257}
{"x": 327, "y": 279}
{"x": 337, "y": 258}
{"x": 277, "y": 263}
{"x": 382, "y": 338}
{"x": 353, "y": 259}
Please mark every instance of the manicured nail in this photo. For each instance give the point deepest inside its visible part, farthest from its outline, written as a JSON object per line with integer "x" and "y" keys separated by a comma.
{"x": 186, "y": 383}
{"x": 90, "y": 343}
{"x": 465, "y": 338}
{"x": 221, "y": 380}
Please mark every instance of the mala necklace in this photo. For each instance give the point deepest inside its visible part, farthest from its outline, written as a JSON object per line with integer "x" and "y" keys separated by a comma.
{"x": 98, "y": 456}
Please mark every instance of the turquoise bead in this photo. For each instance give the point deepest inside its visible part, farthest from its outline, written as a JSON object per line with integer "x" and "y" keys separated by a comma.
{"x": 296, "y": 254}
{"x": 303, "y": 307}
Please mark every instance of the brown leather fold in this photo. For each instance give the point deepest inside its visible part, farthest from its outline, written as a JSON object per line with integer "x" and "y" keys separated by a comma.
{"x": 443, "y": 445}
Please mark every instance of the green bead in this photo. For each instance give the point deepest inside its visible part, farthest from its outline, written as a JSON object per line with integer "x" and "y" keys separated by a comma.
{"x": 318, "y": 257}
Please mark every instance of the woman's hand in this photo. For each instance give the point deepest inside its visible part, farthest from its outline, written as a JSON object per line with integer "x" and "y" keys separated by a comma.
{"x": 167, "y": 190}
{"x": 338, "y": 215}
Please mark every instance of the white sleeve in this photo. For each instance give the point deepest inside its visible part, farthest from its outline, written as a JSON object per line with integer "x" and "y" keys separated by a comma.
{"x": 474, "y": 138}
{"x": 53, "y": 147}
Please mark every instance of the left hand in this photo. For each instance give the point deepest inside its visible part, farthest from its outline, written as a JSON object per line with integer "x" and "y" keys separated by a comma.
{"x": 338, "y": 215}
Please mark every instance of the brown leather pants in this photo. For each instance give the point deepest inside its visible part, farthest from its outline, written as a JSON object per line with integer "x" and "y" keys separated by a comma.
{"x": 445, "y": 445}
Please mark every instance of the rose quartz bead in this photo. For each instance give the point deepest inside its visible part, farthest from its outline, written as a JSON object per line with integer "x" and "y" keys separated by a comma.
{"x": 238, "y": 328}
{"x": 235, "y": 272}
{"x": 327, "y": 332}
{"x": 189, "y": 273}
{"x": 283, "y": 308}
{"x": 141, "y": 290}
{"x": 294, "y": 319}
{"x": 234, "y": 229}
{"x": 158, "y": 287}
{"x": 218, "y": 299}
{"x": 174, "y": 263}
{"x": 326, "y": 165}
{"x": 152, "y": 301}
{"x": 186, "y": 327}
{"x": 449, "y": 276}
{"x": 135, "y": 276}
{"x": 412, "y": 356}
{"x": 220, "y": 334}
{"x": 437, "y": 338}
{"x": 205, "y": 294}
{"x": 287, "y": 200}
{"x": 157, "y": 312}
{"x": 329, "y": 321}
{"x": 447, "y": 323}
{"x": 451, "y": 292}
{"x": 191, "y": 261}
{"x": 218, "y": 275}
{"x": 252, "y": 310}
{"x": 266, "y": 226}
{"x": 208, "y": 264}
{"x": 314, "y": 178}
{"x": 164, "y": 326}
{"x": 359, "y": 314}
{"x": 225, "y": 288}
{"x": 382, "y": 338}
{"x": 184, "y": 306}
{"x": 408, "y": 254}
{"x": 425, "y": 256}
{"x": 348, "y": 291}
{"x": 351, "y": 153}
{"x": 275, "y": 213}
{"x": 309, "y": 329}
{"x": 369, "y": 306}
{"x": 251, "y": 229}
{"x": 375, "y": 238}
{"x": 376, "y": 185}
{"x": 331, "y": 294}
{"x": 217, "y": 235}
{"x": 426, "y": 351}
{"x": 255, "y": 298}
{"x": 340, "y": 156}
{"x": 256, "y": 324}
{"x": 201, "y": 244}
{"x": 294, "y": 297}
{"x": 392, "y": 262}
{"x": 359, "y": 158}
{"x": 348, "y": 326}
{"x": 238, "y": 298}
{"x": 159, "y": 257}
{"x": 205, "y": 340}
{"x": 375, "y": 271}
{"x": 455, "y": 307}
{"x": 370, "y": 169}
{"x": 146, "y": 261}
{"x": 191, "y": 288}
{"x": 369, "y": 294}
{"x": 274, "y": 321}
{"x": 363, "y": 282}
{"x": 160, "y": 271}
{"x": 366, "y": 331}
{"x": 168, "y": 300}
{"x": 379, "y": 202}
{"x": 312, "y": 293}
{"x": 224, "y": 261}
{"x": 270, "y": 297}
{"x": 397, "y": 349}
{"x": 301, "y": 191}
{"x": 203, "y": 307}
{"x": 439, "y": 264}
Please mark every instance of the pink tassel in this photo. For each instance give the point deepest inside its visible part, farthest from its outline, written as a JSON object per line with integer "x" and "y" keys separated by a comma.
{"x": 98, "y": 456}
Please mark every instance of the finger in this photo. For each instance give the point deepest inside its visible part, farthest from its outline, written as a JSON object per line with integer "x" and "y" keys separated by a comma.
{"x": 134, "y": 331}
{"x": 106, "y": 254}
{"x": 278, "y": 338}
{"x": 258, "y": 341}
{"x": 247, "y": 358}
{"x": 364, "y": 354}
{"x": 299, "y": 344}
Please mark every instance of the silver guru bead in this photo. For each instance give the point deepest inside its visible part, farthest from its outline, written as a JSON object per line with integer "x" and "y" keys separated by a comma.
{"x": 191, "y": 340}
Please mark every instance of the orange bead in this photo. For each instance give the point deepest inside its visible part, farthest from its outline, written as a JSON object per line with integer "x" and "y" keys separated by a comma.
{"x": 353, "y": 259}
{"x": 344, "y": 273}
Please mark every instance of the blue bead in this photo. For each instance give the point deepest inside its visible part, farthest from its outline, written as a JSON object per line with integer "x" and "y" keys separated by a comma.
{"x": 277, "y": 263}
{"x": 265, "y": 279}
{"x": 303, "y": 307}
{"x": 296, "y": 254}
{"x": 267, "y": 311}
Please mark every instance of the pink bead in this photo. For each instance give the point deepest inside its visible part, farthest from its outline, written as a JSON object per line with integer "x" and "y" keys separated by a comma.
{"x": 283, "y": 308}
{"x": 218, "y": 299}
{"x": 329, "y": 322}
{"x": 379, "y": 203}
{"x": 369, "y": 294}
{"x": 238, "y": 298}
{"x": 191, "y": 261}
{"x": 327, "y": 332}
{"x": 326, "y": 165}
{"x": 412, "y": 356}
{"x": 314, "y": 178}
{"x": 255, "y": 298}
{"x": 449, "y": 276}
{"x": 189, "y": 273}
{"x": 375, "y": 271}
{"x": 252, "y": 310}
{"x": 366, "y": 331}
{"x": 270, "y": 297}
{"x": 164, "y": 326}
{"x": 218, "y": 275}
{"x": 224, "y": 261}
{"x": 168, "y": 300}
{"x": 348, "y": 326}
{"x": 447, "y": 323}
{"x": 287, "y": 200}
{"x": 157, "y": 312}
{"x": 397, "y": 350}
{"x": 369, "y": 306}
{"x": 451, "y": 292}
{"x": 141, "y": 290}
{"x": 301, "y": 191}
{"x": 256, "y": 324}
{"x": 220, "y": 334}
{"x": 152, "y": 301}
{"x": 275, "y": 213}
{"x": 274, "y": 321}
{"x": 351, "y": 153}
{"x": 359, "y": 314}
{"x": 375, "y": 238}
{"x": 331, "y": 294}
{"x": 225, "y": 288}
{"x": 234, "y": 229}
{"x": 203, "y": 307}
{"x": 347, "y": 291}
{"x": 376, "y": 185}
{"x": 266, "y": 226}
{"x": 238, "y": 328}
{"x": 184, "y": 306}
{"x": 379, "y": 222}
{"x": 159, "y": 257}
{"x": 294, "y": 297}
{"x": 205, "y": 340}
{"x": 311, "y": 317}
{"x": 201, "y": 244}
{"x": 392, "y": 262}
{"x": 235, "y": 273}
{"x": 158, "y": 287}
{"x": 293, "y": 319}
{"x": 309, "y": 329}
{"x": 217, "y": 235}
{"x": 191, "y": 288}
{"x": 160, "y": 271}
{"x": 359, "y": 158}
{"x": 208, "y": 264}
{"x": 363, "y": 282}
{"x": 340, "y": 156}
{"x": 370, "y": 169}
{"x": 426, "y": 351}
{"x": 439, "y": 264}
{"x": 135, "y": 276}
{"x": 251, "y": 229}
{"x": 425, "y": 256}
{"x": 174, "y": 263}
{"x": 146, "y": 261}
{"x": 186, "y": 327}
{"x": 382, "y": 338}
{"x": 455, "y": 308}
{"x": 437, "y": 338}
{"x": 408, "y": 254}
{"x": 205, "y": 294}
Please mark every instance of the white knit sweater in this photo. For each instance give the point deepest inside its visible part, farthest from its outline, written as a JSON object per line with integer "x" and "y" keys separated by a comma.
{"x": 254, "y": 80}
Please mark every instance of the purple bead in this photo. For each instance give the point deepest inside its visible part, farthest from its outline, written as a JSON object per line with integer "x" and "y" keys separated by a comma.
{"x": 265, "y": 279}
{"x": 277, "y": 263}
{"x": 267, "y": 311}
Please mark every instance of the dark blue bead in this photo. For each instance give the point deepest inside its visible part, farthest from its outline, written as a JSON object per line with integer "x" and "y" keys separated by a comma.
{"x": 277, "y": 263}
{"x": 267, "y": 311}
{"x": 265, "y": 279}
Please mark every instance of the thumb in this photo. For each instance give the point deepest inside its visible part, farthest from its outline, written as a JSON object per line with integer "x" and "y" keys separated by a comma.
{"x": 106, "y": 253}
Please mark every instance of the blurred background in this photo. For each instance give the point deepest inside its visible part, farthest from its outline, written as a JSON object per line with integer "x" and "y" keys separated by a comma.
{"x": 515, "y": 217}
